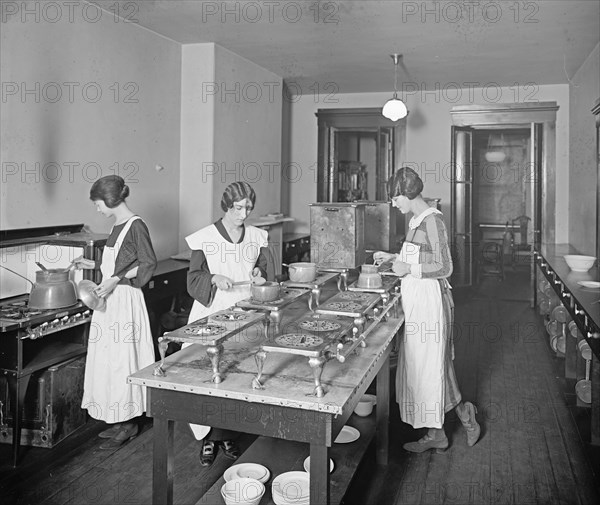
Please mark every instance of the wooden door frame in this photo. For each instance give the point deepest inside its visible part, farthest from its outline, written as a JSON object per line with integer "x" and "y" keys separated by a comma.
{"x": 329, "y": 120}
{"x": 496, "y": 115}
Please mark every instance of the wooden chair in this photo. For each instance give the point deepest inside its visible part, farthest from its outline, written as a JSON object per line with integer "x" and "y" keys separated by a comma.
{"x": 521, "y": 251}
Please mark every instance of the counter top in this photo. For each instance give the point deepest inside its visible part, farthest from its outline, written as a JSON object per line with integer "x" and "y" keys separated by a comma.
{"x": 287, "y": 378}
{"x": 557, "y": 271}
{"x": 586, "y": 298}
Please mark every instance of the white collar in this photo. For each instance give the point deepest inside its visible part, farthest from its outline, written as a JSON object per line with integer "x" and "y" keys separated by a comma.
{"x": 415, "y": 221}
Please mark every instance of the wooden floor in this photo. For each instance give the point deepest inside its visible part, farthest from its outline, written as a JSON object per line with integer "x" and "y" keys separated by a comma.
{"x": 533, "y": 448}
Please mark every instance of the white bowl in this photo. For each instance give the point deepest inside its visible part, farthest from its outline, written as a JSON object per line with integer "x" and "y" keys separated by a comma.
{"x": 365, "y": 405}
{"x": 579, "y": 262}
{"x": 243, "y": 491}
{"x": 306, "y": 465}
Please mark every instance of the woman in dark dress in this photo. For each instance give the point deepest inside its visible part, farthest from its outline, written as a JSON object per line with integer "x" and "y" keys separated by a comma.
{"x": 120, "y": 341}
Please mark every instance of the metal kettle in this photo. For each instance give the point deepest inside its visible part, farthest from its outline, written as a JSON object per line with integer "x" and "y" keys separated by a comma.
{"x": 53, "y": 289}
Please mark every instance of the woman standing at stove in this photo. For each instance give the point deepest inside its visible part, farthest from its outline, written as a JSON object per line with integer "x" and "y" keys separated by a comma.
{"x": 120, "y": 340}
{"x": 225, "y": 252}
{"x": 426, "y": 385}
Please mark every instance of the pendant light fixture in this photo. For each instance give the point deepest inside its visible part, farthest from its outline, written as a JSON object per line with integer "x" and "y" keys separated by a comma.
{"x": 395, "y": 109}
{"x": 495, "y": 154}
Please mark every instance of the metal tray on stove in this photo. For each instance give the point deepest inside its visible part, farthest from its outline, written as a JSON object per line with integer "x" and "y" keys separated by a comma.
{"x": 214, "y": 328}
{"x": 349, "y": 303}
{"x": 310, "y": 335}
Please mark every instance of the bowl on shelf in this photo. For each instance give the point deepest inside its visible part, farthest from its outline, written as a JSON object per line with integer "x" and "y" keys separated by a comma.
{"x": 242, "y": 491}
{"x": 579, "y": 262}
{"x": 365, "y": 405}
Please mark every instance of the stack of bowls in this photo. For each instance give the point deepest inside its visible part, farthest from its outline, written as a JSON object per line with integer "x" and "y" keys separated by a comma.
{"x": 291, "y": 488}
{"x": 247, "y": 470}
{"x": 242, "y": 491}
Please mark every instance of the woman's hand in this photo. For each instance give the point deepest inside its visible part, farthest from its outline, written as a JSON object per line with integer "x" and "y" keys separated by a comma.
{"x": 222, "y": 282}
{"x": 82, "y": 262}
{"x": 107, "y": 286}
{"x": 400, "y": 268}
{"x": 382, "y": 257}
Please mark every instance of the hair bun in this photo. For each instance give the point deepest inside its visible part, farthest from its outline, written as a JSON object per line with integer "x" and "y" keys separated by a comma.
{"x": 125, "y": 192}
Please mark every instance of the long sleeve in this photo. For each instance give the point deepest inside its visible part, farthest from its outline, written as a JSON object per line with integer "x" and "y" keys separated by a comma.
{"x": 136, "y": 251}
{"x": 199, "y": 279}
{"x": 261, "y": 262}
{"x": 435, "y": 259}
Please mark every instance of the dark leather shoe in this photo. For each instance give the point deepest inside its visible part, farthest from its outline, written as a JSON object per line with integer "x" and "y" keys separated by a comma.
{"x": 230, "y": 449}
{"x": 124, "y": 435}
{"x": 110, "y": 432}
{"x": 208, "y": 453}
{"x": 426, "y": 443}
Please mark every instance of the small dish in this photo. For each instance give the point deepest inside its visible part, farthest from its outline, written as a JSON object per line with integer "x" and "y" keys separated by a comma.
{"x": 347, "y": 435}
{"x": 589, "y": 284}
{"x": 306, "y": 465}
{"x": 291, "y": 487}
{"x": 242, "y": 491}
{"x": 249, "y": 471}
{"x": 364, "y": 407}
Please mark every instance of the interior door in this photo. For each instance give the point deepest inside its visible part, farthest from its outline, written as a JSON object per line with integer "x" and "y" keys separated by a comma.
{"x": 535, "y": 211}
{"x": 461, "y": 224}
{"x": 327, "y": 163}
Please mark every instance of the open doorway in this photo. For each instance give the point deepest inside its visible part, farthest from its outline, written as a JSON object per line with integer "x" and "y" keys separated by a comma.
{"x": 519, "y": 169}
{"x": 502, "y": 202}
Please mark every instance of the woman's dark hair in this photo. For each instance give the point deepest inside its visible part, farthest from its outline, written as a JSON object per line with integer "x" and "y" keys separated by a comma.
{"x": 111, "y": 189}
{"x": 406, "y": 182}
{"x": 236, "y": 192}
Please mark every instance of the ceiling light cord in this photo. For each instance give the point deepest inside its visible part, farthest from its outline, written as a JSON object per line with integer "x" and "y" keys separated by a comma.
{"x": 395, "y": 109}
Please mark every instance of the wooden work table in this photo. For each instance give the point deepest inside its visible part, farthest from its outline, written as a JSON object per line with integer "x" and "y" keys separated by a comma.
{"x": 284, "y": 409}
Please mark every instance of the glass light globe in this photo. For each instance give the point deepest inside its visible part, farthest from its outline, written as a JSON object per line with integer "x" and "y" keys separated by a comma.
{"x": 495, "y": 156}
{"x": 394, "y": 109}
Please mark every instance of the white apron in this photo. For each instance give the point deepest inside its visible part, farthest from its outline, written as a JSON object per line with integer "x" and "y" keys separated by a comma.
{"x": 120, "y": 343}
{"x": 235, "y": 261}
{"x": 420, "y": 377}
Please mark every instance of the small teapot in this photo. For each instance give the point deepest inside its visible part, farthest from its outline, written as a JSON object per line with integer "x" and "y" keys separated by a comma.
{"x": 369, "y": 277}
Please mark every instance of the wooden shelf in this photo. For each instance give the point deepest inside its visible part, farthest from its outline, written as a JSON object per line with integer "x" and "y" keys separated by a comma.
{"x": 281, "y": 456}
